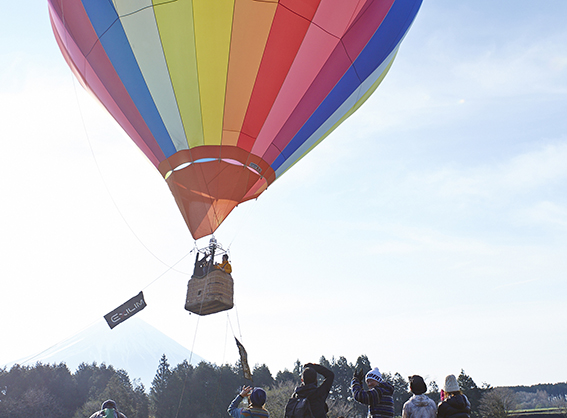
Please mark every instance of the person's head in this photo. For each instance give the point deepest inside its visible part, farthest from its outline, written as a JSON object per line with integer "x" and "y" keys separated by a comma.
{"x": 225, "y": 257}
{"x": 373, "y": 377}
{"x": 417, "y": 385}
{"x": 309, "y": 375}
{"x": 258, "y": 397}
{"x": 451, "y": 385}
{"x": 108, "y": 404}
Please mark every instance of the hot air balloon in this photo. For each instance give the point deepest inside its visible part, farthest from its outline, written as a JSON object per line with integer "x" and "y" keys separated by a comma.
{"x": 225, "y": 96}
{"x": 211, "y": 288}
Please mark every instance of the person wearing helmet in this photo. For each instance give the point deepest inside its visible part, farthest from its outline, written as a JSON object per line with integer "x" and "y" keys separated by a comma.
{"x": 256, "y": 400}
{"x": 108, "y": 410}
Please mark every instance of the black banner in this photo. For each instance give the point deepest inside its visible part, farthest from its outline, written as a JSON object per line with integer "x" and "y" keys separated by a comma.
{"x": 126, "y": 310}
{"x": 244, "y": 360}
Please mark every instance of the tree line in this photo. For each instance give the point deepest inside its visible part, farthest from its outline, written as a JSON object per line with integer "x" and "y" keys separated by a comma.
{"x": 205, "y": 391}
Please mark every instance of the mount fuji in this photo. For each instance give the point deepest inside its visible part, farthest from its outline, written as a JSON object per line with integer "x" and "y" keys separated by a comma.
{"x": 134, "y": 346}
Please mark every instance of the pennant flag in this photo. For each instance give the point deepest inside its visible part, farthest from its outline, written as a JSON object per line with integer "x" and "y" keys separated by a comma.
{"x": 126, "y": 310}
{"x": 244, "y": 360}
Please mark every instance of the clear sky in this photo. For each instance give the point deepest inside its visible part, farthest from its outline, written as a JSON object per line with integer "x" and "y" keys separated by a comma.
{"x": 428, "y": 232}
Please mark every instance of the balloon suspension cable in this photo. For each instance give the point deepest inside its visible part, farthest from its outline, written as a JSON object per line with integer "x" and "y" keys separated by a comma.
{"x": 190, "y": 357}
{"x": 237, "y": 323}
{"x": 186, "y": 374}
{"x": 213, "y": 245}
{"x": 87, "y": 136}
{"x": 217, "y": 395}
{"x": 34, "y": 356}
{"x": 170, "y": 268}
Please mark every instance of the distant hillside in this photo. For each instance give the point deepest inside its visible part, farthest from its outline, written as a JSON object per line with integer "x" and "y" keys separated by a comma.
{"x": 538, "y": 413}
{"x": 134, "y": 346}
{"x": 553, "y": 389}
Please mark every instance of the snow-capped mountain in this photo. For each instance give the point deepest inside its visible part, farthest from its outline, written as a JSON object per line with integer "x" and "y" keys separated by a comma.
{"x": 134, "y": 346}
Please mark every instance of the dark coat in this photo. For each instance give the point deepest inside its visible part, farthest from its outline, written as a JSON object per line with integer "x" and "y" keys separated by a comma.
{"x": 457, "y": 406}
{"x": 317, "y": 395}
{"x": 380, "y": 399}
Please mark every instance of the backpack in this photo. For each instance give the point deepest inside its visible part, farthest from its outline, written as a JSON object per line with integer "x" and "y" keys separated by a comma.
{"x": 298, "y": 408}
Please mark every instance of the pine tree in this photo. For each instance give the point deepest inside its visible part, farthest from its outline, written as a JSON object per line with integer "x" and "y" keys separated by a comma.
{"x": 159, "y": 393}
{"x": 471, "y": 391}
{"x": 262, "y": 376}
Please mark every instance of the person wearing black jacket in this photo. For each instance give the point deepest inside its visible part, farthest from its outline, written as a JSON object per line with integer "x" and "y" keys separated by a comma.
{"x": 455, "y": 405}
{"x": 317, "y": 395}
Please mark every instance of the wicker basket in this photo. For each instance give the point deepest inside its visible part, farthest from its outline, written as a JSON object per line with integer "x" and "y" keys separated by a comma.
{"x": 210, "y": 294}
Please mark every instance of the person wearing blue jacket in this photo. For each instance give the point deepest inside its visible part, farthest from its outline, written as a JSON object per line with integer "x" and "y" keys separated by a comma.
{"x": 256, "y": 400}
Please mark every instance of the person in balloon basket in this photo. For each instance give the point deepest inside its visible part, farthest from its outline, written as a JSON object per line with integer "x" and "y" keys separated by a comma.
{"x": 225, "y": 265}
{"x": 454, "y": 404}
{"x": 419, "y": 405}
{"x": 108, "y": 410}
{"x": 380, "y": 394}
{"x": 256, "y": 400}
{"x": 201, "y": 266}
{"x": 317, "y": 395}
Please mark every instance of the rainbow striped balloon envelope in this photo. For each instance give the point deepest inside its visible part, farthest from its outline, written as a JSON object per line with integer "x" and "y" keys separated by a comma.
{"x": 224, "y": 96}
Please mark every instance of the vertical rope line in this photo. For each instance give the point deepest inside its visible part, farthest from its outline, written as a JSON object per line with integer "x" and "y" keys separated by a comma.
{"x": 186, "y": 374}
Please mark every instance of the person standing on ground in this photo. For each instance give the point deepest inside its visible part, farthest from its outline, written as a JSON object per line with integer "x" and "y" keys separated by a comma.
{"x": 108, "y": 409}
{"x": 455, "y": 405}
{"x": 316, "y": 395}
{"x": 419, "y": 405}
{"x": 256, "y": 400}
{"x": 380, "y": 394}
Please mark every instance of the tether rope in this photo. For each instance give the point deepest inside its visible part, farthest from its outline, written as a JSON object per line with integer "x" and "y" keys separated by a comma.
{"x": 105, "y": 184}
{"x": 34, "y": 356}
{"x": 190, "y": 359}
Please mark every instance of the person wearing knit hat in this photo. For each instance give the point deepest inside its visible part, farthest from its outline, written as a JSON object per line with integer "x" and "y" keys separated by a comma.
{"x": 451, "y": 384}
{"x": 380, "y": 394}
{"x": 316, "y": 395}
{"x": 108, "y": 409}
{"x": 258, "y": 397}
{"x": 456, "y": 404}
{"x": 419, "y": 405}
{"x": 256, "y": 400}
{"x": 374, "y": 376}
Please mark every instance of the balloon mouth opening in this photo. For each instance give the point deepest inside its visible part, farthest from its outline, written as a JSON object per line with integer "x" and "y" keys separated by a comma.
{"x": 252, "y": 167}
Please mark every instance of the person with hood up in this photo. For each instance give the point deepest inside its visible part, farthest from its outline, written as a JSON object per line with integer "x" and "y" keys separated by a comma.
{"x": 419, "y": 405}
{"x": 455, "y": 405}
{"x": 108, "y": 409}
{"x": 317, "y": 395}
{"x": 380, "y": 394}
{"x": 256, "y": 400}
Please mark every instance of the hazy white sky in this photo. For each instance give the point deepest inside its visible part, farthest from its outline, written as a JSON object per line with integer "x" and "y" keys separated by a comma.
{"x": 428, "y": 232}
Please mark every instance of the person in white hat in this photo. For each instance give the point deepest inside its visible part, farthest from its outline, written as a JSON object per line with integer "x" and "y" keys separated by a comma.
{"x": 380, "y": 394}
{"x": 456, "y": 404}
